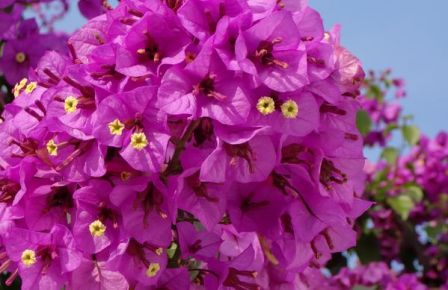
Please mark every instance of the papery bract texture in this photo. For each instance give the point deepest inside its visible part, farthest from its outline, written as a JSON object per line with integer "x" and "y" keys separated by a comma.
{"x": 182, "y": 144}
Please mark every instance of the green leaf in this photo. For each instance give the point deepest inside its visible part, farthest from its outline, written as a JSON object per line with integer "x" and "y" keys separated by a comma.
{"x": 374, "y": 92}
{"x": 408, "y": 117}
{"x": 194, "y": 265}
{"x": 414, "y": 192}
{"x": 171, "y": 250}
{"x": 388, "y": 83}
{"x": 391, "y": 127}
{"x": 402, "y": 205}
{"x": 390, "y": 154}
{"x": 361, "y": 287}
{"x": 434, "y": 231}
{"x": 368, "y": 248}
{"x": 443, "y": 197}
{"x": 411, "y": 134}
{"x": 363, "y": 122}
{"x": 337, "y": 262}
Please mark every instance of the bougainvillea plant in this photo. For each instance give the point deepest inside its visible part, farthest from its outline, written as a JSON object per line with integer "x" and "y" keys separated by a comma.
{"x": 402, "y": 238}
{"x": 27, "y": 31}
{"x": 181, "y": 145}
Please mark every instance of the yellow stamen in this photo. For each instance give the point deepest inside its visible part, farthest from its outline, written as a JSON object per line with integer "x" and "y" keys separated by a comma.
{"x": 19, "y": 86}
{"x": 97, "y": 228}
{"x": 139, "y": 141}
{"x": 16, "y": 91}
{"x": 71, "y": 104}
{"x": 28, "y": 257}
{"x": 30, "y": 87}
{"x": 116, "y": 127}
{"x": 266, "y": 105}
{"x": 23, "y": 82}
{"x": 153, "y": 269}
{"x": 290, "y": 109}
{"x": 52, "y": 148}
{"x": 20, "y": 57}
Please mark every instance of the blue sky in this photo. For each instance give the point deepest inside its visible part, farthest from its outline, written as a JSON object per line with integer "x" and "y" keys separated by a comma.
{"x": 409, "y": 37}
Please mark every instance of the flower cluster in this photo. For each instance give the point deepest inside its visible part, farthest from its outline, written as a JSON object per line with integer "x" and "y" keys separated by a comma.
{"x": 23, "y": 43}
{"x": 376, "y": 275}
{"x": 203, "y": 144}
{"x": 384, "y": 112}
{"x": 428, "y": 163}
{"x": 20, "y": 52}
{"x": 24, "y": 39}
{"x": 420, "y": 181}
{"x": 409, "y": 185}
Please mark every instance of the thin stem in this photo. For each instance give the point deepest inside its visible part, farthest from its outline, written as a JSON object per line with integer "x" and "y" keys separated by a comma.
{"x": 174, "y": 167}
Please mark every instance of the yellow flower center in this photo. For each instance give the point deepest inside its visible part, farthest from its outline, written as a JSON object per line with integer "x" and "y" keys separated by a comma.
{"x": 28, "y": 257}
{"x": 20, "y": 57}
{"x": 139, "y": 141}
{"x": 153, "y": 269}
{"x": 97, "y": 228}
{"x": 23, "y": 82}
{"x": 52, "y": 148}
{"x": 116, "y": 127}
{"x": 30, "y": 87}
{"x": 19, "y": 86}
{"x": 266, "y": 105}
{"x": 290, "y": 109}
{"x": 70, "y": 104}
{"x": 159, "y": 251}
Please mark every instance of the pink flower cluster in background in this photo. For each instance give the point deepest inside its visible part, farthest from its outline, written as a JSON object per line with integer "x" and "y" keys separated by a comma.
{"x": 383, "y": 110}
{"x": 419, "y": 179}
{"x": 402, "y": 238}
{"x": 375, "y": 275}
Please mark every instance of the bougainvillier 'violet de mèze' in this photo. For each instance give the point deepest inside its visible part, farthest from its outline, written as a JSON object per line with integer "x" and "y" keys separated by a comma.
{"x": 198, "y": 144}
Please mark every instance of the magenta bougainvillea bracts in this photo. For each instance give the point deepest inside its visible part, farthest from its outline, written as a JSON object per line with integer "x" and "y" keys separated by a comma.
{"x": 375, "y": 275}
{"x": 183, "y": 145}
